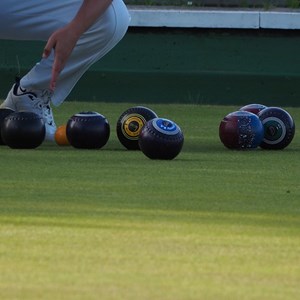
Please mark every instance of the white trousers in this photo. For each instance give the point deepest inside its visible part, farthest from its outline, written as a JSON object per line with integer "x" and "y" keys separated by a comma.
{"x": 37, "y": 19}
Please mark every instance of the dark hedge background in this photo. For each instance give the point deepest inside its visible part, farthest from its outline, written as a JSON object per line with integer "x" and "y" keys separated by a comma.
{"x": 220, "y": 3}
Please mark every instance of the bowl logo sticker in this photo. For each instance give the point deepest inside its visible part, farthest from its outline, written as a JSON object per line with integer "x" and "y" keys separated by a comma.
{"x": 165, "y": 126}
{"x": 132, "y": 126}
{"x": 275, "y": 130}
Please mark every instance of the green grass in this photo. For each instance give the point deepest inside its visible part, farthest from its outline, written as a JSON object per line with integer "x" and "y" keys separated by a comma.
{"x": 113, "y": 224}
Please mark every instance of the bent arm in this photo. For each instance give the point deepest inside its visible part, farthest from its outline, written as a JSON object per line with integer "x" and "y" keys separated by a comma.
{"x": 64, "y": 39}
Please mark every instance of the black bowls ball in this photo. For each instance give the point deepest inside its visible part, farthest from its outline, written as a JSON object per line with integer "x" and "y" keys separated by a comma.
{"x": 161, "y": 138}
{"x": 279, "y": 128}
{"x": 130, "y": 123}
{"x": 88, "y": 130}
{"x": 4, "y": 112}
{"x": 23, "y": 130}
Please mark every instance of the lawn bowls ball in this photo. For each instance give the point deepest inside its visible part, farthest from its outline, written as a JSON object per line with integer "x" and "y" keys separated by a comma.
{"x": 88, "y": 130}
{"x": 241, "y": 130}
{"x": 130, "y": 123}
{"x": 254, "y": 108}
{"x": 279, "y": 128}
{"x": 23, "y": 130}
{"x": 4, "y": 112}
{"x": 161, "y": 138}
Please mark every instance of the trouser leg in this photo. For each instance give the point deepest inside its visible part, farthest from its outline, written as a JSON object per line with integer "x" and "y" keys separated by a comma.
{"x": 36, "y": 24}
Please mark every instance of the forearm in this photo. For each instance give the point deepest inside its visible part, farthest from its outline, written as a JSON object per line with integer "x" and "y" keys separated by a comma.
{"x": 64, "y": 39}
{"x": 88, "y": 13}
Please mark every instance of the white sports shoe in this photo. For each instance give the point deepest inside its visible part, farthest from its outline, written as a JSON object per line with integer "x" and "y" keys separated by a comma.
{"x": 19, "y": 99}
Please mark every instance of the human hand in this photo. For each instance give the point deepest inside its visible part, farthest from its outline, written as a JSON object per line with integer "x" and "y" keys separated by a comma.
{"x": 63, "y": 42}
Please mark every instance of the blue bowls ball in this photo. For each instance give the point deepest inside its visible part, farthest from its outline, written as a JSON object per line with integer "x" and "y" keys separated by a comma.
{"x": 241, "y": 130}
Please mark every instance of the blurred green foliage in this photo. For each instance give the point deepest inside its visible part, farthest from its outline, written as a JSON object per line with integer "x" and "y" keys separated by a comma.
{"x": 220, "y": 3}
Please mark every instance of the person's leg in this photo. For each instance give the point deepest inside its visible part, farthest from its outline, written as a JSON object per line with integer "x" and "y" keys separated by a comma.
{"x": 31, "y": 20}
{"x": 92, "y": 46}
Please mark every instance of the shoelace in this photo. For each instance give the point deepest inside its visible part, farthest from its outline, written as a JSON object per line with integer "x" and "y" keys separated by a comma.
{"x": 46, "y": 99}
{"x": 43, "y": 102}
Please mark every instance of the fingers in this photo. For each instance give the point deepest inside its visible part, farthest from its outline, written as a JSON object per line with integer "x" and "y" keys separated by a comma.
{"x": 62, "y": 42}
{"x": 56, "y": 69}
{"x": 49, "y": 46}
{"x": 57, "y": 64}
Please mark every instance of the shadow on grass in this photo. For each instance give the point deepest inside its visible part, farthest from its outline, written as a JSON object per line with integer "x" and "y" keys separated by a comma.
{"x": 125, "y": 218}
